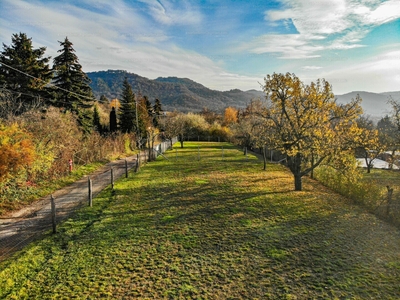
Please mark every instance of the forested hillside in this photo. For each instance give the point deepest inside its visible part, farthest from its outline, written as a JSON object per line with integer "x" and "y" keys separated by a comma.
{"x": 175, "y": 93}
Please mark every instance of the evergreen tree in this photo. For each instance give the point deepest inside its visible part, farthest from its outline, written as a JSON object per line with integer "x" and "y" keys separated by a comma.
{"x": 104, "y": 99}
{"x": 127, "y": 111}
{"x": 96, "y": 119}
{"x": 148, "y": 105}
{"x": 25, "y": 72}
{"x": 144, "y": 115}
{"x": 74, "y": 93}
{"x": 157, "y": 112}
{"x": 113, "y": 120}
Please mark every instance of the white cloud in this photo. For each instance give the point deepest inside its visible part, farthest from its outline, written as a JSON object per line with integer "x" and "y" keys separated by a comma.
{"x": 288, "y": 46}
{"x": 386, "y": 12}
{"x": 311, "y": 67}
{"x": 165, "y": 12}
{"x": 378, "y": 74}
{"x": 123, "y": 39}
{"x": 340, "y": 25}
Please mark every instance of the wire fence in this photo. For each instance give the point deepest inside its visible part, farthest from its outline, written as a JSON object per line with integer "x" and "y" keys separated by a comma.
{"x": 24, "y": 226}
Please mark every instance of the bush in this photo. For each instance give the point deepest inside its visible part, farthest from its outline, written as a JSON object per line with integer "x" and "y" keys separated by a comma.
{"x": 17, "y": 151}
{"x": 59, "y": 136}
{"x": 349, "y": 183}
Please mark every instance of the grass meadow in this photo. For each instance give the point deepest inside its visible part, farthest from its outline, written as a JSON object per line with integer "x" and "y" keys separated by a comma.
{"x": 209, "y": 223}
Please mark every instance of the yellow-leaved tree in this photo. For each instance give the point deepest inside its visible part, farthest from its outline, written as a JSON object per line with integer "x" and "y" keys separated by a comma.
{"x": 306, "y": 124}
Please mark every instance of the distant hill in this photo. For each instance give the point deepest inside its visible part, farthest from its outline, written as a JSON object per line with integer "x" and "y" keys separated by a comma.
{"x": 185, "y": 95}
{"x": 180, "y": 94}
{"x": 374, "y": 104}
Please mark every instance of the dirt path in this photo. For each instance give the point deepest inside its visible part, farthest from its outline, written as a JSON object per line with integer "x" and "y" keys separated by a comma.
{"x": 19, "y": 228}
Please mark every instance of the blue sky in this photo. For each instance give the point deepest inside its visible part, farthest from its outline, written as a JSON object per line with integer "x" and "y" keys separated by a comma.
{"x": 354, "y": 44}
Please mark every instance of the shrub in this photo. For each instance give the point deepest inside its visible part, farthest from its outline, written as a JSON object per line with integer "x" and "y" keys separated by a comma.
{"x": 348, "y": 182}
{"x": 17, "y": 151}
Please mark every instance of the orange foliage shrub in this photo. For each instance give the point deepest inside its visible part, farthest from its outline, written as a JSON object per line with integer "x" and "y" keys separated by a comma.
{"x": 17, "y": 151}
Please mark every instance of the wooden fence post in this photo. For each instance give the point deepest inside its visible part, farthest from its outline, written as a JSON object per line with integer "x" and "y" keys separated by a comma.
{"x": 198, "y": 152}
{"x": 90, "y": 186}
{"x": 112, "y": 178}
{"x": 389, "y": 199}
{"x": 53, "y": 214}
{"x": 137, "y": 163}
{"x": 126, "y": 168}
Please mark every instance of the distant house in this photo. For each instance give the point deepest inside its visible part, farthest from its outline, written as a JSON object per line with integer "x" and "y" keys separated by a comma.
{"x": 377, "y": 164}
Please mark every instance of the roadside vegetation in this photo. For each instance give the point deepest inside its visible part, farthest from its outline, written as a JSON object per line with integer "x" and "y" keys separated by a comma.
{"x": 210, "y": 223}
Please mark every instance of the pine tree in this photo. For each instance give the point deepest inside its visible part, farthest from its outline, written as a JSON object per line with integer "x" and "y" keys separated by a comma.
{"x": 113, "y": 120}
{"x": 25, "y": 72}
{"x": 74, "y": 93}
{"x": 127, "y": 111}
{"x": 96, "y": 119}
{"x": 148, "y": 105}
{"x": 157, "y": 112}
{"x": 104, "y": 99}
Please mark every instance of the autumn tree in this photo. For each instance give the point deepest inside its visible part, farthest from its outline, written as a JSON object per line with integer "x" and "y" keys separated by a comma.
{"x": 252, "y": 128}
{"x": 395, "y": 116}
{"x": 307, "y": 125}
{"x": 184, "y": 125}
{"x": 389, "y": 137}
{"x": 73, "y": 91}
{"x": 115, "y": 103}
{"x": 144, "y": 117}
{"x": 248, "y": 125}
{"x": 210, "y": 116}
{"x": 230, "y": 116}
{"x": 24, "y": 72}
{"x": 367, "y": 141}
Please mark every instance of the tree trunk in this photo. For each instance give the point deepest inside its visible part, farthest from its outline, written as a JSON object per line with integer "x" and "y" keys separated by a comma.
{"x": 368, "y": 163}
{"x": 181, "y": 140}
{"x": 312, "y": 164}
{"x": 294, "y": 163}
{"x": 264, "y": 150}
{"x": 297, "y": 182}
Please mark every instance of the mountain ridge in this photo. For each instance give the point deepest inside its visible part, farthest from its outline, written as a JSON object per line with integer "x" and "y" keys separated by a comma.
{"x": 184, "y": 94}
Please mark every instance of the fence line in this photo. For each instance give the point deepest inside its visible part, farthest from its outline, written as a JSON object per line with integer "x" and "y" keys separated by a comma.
{"x": 19, "y": 230}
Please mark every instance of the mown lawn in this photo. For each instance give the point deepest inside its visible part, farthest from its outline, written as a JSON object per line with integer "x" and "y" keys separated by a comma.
{"x": 383, "y": 178}
{"x": 215, "y": 228}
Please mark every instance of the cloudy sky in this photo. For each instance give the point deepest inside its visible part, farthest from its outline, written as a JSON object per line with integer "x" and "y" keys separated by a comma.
{"x": 354, "y": 44}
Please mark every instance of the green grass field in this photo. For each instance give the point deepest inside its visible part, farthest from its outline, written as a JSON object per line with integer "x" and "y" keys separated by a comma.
{"x": 218, "y": 227}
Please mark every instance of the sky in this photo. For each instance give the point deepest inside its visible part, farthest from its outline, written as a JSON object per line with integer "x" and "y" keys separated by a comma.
{"x": 353, "y": 44}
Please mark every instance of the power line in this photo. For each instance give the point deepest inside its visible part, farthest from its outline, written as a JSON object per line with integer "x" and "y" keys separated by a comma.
{"x": 37, "y": 96}
{"x": 57, "y": 87}
{"x": 53, "y": 85}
